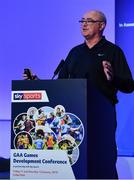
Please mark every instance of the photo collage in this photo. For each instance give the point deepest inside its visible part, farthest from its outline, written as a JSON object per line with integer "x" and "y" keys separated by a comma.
{"x": 49, "y": 128}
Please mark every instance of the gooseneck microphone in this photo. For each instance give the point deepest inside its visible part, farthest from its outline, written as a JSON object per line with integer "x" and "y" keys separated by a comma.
{"x": 57, "y": 70}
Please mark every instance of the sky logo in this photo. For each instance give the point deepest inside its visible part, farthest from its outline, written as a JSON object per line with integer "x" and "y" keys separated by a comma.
{"x": 29, "y": 96}
{"x": 18, "y": 96}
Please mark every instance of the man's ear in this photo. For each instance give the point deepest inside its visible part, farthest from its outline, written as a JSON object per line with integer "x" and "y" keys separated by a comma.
{"x": 102, "y": 26}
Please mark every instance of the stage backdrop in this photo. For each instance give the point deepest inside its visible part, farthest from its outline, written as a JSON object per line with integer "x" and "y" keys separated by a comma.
{"x": 124, "y": 31}
{"x": 38, "y": 34}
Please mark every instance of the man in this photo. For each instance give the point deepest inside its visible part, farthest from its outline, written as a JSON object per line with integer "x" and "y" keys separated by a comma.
{"x": 104, "y": 65}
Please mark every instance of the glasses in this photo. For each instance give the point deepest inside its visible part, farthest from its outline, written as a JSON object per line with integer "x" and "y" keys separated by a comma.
{"x": 89, "y": 21}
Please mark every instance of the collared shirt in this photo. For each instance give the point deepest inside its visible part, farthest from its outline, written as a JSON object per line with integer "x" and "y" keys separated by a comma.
{"x": 84, "y": 62}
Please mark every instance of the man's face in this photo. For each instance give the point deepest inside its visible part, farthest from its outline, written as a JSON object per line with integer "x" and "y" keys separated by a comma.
{"x": 91, "y": 25}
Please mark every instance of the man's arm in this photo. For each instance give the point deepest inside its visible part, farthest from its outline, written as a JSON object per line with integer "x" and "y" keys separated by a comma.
{"x": 119, "y": 74}
{"x": 63, "y": 74}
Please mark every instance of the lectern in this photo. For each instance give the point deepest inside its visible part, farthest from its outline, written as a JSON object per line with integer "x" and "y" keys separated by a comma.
{"x": 49, "y": 129}
{"x": 61, "y": 129}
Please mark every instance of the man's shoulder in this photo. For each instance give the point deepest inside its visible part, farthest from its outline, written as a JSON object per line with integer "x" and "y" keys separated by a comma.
{"x": 78, "y": 47}
{"x": 112, "y": 49}
{"x": 111, "y": 45}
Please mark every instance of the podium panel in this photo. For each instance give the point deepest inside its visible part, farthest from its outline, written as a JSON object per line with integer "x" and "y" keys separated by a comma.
{"x": 49, "y": 129}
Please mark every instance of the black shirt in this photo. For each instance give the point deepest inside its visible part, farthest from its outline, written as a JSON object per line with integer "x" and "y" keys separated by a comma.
{"x": 83, "y": 62}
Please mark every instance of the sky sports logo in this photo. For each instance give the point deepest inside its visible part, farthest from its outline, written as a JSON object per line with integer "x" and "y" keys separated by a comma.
{"x": 29, "y": 96}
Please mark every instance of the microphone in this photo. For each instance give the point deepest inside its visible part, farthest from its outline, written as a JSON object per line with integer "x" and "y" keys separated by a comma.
{"x": 58, "y": 68}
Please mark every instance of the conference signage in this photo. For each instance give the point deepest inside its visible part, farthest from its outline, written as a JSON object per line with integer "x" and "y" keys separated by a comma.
{"x": 45, "y": 140}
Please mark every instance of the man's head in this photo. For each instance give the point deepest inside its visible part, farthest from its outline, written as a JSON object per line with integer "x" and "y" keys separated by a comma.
{"x": 93, "y": 24}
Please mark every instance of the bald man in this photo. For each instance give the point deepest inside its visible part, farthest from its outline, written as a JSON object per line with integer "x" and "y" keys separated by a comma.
{"x": 104, "y": 65}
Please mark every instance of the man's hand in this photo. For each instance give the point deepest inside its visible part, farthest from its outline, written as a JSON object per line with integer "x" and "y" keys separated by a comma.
{"x": 29, "y": 77}
{"x": 25, "y": 77}
{"x": 108, "y": 70}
